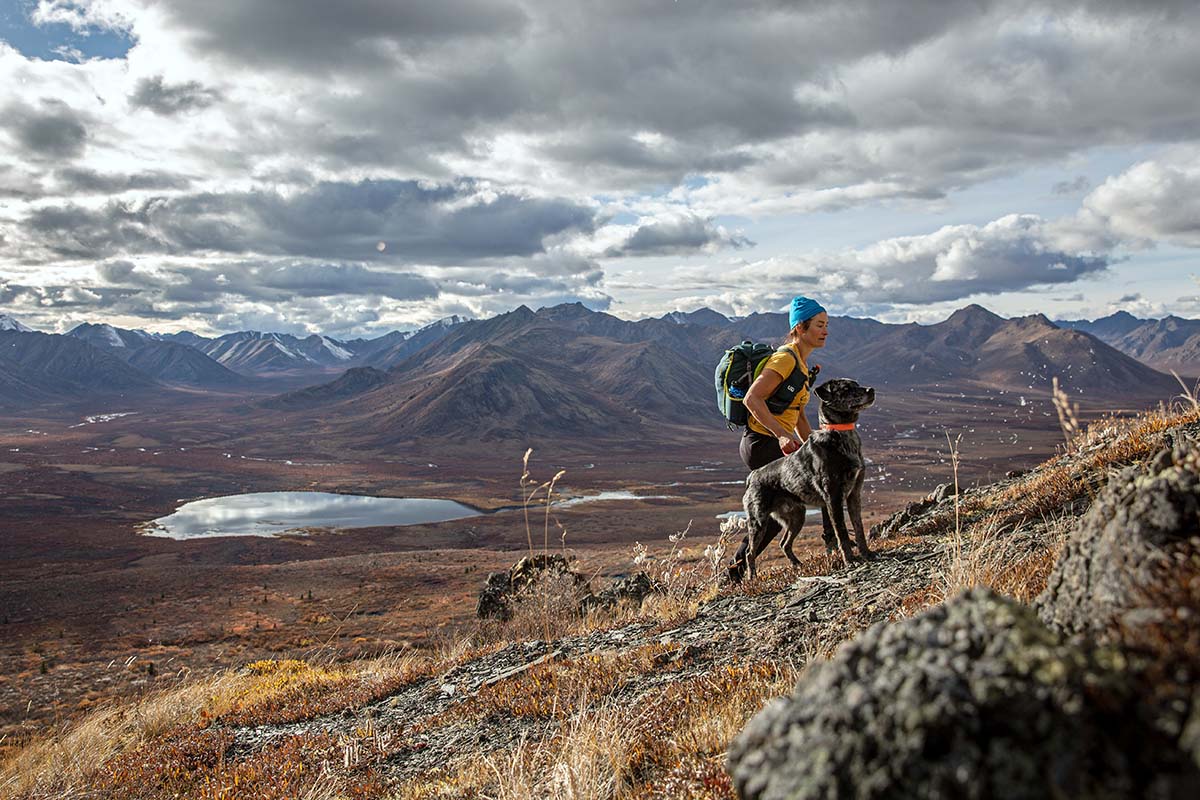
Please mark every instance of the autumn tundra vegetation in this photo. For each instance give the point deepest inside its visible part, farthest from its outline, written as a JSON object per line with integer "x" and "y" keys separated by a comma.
{"x": 650, "y": 699}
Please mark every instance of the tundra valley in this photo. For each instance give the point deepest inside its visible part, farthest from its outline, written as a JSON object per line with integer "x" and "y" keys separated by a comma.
{"x": 104, "y": 431}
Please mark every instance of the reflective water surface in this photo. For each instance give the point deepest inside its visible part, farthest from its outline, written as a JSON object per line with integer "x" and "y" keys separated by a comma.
{"x": 271, "y": 513}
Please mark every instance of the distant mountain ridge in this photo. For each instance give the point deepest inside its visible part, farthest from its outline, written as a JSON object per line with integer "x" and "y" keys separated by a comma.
{"x": 39, "y": 367}
{"x": 1170, "y": 343}
{"x": 160, "y": 358}
{"x": 569, "y": 371}
{"x": 564, "y": 366}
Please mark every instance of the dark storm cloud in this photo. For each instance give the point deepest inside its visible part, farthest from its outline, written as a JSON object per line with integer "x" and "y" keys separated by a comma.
{"x": 904, "y": 100}
{"x": 413, "y": 222}
{"x": 80, "y": 180}
{"x": 318, "y": 36}
{"x": 170, "y": 99}
{"x": 687, "y": 235}
{"x": 266, "y": 282}
{"x": 49, "y": 130}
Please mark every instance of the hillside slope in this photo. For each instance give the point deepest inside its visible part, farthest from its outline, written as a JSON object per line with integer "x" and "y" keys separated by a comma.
{"x": 645, "y": 700}
{"x": 55, "y": 367}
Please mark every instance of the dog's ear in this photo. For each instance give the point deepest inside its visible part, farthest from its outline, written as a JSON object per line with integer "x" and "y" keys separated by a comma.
{"x": 823, "y": 391}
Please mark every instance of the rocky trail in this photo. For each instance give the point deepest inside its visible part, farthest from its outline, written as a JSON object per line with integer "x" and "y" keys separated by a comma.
{"x": 780, "y": 625}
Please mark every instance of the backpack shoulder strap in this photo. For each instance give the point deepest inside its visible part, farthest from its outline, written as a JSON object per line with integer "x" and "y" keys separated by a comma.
{"x": 795, "y": 358}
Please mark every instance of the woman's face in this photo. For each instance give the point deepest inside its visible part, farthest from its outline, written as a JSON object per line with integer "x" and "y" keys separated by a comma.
{"x": 818, "y": 329}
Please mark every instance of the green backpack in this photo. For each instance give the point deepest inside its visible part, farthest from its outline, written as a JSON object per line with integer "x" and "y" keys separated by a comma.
{"x": 738, "y": 368}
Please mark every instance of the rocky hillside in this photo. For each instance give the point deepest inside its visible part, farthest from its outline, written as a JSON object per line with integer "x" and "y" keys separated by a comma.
{"x": 1038, "y": 637}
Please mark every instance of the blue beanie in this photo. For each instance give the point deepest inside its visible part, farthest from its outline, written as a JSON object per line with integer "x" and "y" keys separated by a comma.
{"x": 803, "y": 309}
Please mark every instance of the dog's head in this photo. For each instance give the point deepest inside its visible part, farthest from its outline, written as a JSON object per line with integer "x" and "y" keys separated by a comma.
{"x": 842, "y": 399}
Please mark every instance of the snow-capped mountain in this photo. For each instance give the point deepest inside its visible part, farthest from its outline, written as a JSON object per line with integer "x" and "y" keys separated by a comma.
{"x": 159, "y": 357}
{"x": 8, "y": 323}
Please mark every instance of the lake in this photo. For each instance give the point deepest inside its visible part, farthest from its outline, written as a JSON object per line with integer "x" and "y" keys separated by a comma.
{"x": 272, "y": 513}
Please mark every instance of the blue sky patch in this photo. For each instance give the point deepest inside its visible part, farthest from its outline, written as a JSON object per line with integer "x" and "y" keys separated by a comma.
{"x": 58, "y": 41}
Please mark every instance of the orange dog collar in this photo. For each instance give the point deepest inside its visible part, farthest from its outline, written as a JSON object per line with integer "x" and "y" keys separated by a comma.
{"x": 838, "y": 426}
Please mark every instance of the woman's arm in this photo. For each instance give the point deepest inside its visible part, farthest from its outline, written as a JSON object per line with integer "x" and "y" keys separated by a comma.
{"x": 802, "y": 426}
{"x": 756, "y": 403}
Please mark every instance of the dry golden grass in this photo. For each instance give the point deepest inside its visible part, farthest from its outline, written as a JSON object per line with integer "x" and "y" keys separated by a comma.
{"x": 668, "y": 744}
{"x": 69, "y": 763}
{"x": 550, "y": 690}
{"x": 63, "y": 764}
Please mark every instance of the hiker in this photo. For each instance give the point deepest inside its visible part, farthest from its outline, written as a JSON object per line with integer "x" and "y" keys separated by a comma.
{"x": 771, "y": 436}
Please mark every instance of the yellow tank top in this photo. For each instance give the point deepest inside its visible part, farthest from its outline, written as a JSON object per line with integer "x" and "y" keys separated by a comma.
{"x": 783, "y": 364}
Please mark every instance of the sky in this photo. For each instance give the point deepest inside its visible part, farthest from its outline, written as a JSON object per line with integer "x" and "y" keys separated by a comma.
{"x": 356, "y": 167}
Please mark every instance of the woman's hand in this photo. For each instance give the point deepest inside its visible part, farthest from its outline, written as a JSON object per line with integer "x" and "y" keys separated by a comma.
{"x": 788, "y": 444}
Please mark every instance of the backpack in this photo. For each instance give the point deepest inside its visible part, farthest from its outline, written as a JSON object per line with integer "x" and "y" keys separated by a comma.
{"x": 738, "y": 368}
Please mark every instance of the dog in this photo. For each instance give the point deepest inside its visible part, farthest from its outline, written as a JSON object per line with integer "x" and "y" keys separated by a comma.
{"x": 827, "y": 472}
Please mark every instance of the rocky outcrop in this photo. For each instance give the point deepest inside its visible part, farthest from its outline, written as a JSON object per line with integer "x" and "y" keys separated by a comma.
{"x": 976, "y": 698}
{"x": 1140, "y": 525}
{"x": 503, "y": 588}
{"x": 628, "y": 589}
{"x": 1089, "y": 693}
{"x": 914, "y": 512}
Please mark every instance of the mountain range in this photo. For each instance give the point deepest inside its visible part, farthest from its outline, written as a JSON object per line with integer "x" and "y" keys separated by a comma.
{"x": 1170, "y": 343}
{"x": 564, "y": 369}
{"x": 570, "y": 372}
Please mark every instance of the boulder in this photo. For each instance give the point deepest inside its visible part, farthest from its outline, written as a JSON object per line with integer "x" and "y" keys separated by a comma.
{"x": 1141, "y": 523}
{"x": 630, "y": 588}
{"x": 503, "y": 588}
{"x": 493, "y": 599}
{"x": 975, "y": 698}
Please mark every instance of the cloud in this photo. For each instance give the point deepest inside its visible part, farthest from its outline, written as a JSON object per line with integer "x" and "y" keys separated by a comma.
{"x": 1156, "y": 200}
{"x": 50, "y": 130}
{"x": 417, "y": 222}
{"x": 319, "y": 37}
{"x": 83, "y": 180}
{"x": 1013, "y": 253}
{"x": 170, "y": 99}
{"x": 1080, "y": 184}
{"x": 677, "y": 236}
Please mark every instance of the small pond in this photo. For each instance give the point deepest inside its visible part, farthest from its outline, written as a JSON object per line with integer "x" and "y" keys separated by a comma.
{"x": 602, "y": 496}
{"x": 271, "y": 513}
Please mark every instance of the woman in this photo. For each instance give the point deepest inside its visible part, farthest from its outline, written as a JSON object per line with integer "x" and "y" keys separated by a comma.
{"x": 771, "y": 436}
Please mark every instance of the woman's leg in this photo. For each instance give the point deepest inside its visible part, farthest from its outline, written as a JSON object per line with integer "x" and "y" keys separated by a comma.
{"x": 757, "y": 450}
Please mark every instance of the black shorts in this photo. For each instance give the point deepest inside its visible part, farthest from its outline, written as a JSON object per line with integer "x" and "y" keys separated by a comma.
{"x": 759, "y": 449}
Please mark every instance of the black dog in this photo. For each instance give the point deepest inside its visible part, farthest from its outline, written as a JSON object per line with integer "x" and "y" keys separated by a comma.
{"x": 826, "y": 472}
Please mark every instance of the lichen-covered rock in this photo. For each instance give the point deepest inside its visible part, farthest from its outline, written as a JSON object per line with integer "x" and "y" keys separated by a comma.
{"x": 631, "y": 588}
{"x": 526, "y": 577}
{"x": 973, "y": 699}
{"x": 1122, "y": 545}
{"x": 493, "y": 598}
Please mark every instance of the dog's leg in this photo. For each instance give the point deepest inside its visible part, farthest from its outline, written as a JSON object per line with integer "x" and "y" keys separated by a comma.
{"x": 759, "y": 540}
{"x": 738, "y": 568}
{"x": 795, "y": 521}
{"x": 854, "y": 506}
{"x": 837, "y": 511}
{"x": 827, "y": 534}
